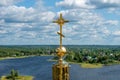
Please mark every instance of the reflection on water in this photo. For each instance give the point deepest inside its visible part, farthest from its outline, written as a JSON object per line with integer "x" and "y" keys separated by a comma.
{"x": 41, "y": 69}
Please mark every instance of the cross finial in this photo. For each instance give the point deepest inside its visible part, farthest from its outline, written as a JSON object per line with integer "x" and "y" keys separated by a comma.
{"x": 60, "y": 21}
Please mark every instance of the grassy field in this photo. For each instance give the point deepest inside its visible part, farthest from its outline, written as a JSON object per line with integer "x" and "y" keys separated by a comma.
{"x": 19, "y": 78}
{"x": 85, "y": 65}
{"x": 88, "y": 65}
{"x": 3, "y": 58}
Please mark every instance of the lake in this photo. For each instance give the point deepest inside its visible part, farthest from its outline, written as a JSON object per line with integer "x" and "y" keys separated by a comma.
{"x": 41, "y": 69}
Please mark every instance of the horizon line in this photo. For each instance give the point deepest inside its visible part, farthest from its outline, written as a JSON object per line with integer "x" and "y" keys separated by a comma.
{"x": 58, "y": 44}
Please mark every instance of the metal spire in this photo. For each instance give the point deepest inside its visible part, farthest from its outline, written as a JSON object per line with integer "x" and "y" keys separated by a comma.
{"x": 60, "y": 70}
{"x": 60, "y": 21}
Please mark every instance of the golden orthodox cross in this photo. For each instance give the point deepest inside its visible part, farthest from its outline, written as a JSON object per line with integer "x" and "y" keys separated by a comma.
{"x": 60, "y": 21}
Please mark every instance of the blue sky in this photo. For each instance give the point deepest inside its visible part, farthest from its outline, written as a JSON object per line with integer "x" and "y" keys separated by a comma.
{"x": 28, "y": 22}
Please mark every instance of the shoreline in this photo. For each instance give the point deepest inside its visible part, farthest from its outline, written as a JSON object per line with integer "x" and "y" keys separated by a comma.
{"x": 5, "y": 58}
{"x": 17, "y": 57}
{"x": 23, "y": 77}
{"x": 89, "y": 65}
{"x": 82, "y": 65}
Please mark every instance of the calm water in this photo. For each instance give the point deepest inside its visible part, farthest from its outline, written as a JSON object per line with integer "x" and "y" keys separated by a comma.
{"x": 40, "y": 68}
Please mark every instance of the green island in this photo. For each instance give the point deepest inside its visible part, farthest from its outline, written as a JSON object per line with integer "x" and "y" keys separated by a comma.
{"x": 88, "y": 56}
{"x": 88, "y": 65}
{"x": 14, "y": 75}
{"x": 19, "y": 78}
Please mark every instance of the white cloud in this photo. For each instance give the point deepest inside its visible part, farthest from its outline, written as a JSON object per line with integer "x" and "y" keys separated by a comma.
{"x": 116, "y": 33}
{"x": 112, "y": 22}
{"x": 88, "y": 27}
{"x": 111, "y": 1}
{"x": 115, "y": 11}
{"x": 25, "y": 24}
{"x": 33, "y": 24}
{"x": 75, "y": 4}
{"x": 2, "y": 32}
{"x": 2, "y": 21}
{"x": 8, "y": 2}
{"x": 26, "y": 34}
{"x": 16, "y": 14}
{"x": 89, "y": 4}
{"x": 47, "y": 16}
{"x": 21, "y": 14}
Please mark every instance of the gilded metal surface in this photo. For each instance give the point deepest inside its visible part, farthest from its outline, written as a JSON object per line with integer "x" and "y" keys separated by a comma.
{"x": 60, "y": 70}
{"x": 61, "y": 51}
{"x": 60, "y": 21}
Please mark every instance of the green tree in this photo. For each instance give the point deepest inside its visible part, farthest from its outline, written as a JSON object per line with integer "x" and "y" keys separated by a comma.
{"x": 12, "y": 74}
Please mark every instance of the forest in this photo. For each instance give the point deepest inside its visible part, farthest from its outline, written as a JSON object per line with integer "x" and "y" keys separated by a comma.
{"x": 75, "y": 53}
{"x": 16, "y": 51}
{"x": 103, "y": 55}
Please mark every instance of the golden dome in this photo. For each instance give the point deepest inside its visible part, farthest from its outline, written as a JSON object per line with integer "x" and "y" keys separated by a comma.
{"x": 61, "y": 51}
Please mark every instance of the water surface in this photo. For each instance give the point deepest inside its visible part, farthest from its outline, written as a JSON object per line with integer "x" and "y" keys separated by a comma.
{"x": 41, "y": 69}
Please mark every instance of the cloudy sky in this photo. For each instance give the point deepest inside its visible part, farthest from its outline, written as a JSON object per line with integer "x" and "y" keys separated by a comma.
{"x": 29, "y": 22}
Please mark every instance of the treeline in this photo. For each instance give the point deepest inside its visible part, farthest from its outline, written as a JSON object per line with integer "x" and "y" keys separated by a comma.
{"x": 88, "y": 54}
{"x": 94, "y": 55}
{"x": 25, "y": 51}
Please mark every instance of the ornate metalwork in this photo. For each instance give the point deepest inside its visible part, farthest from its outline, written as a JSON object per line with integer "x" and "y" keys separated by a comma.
{"x": 61, "y": 21}
{"x": 61, "y": 69}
